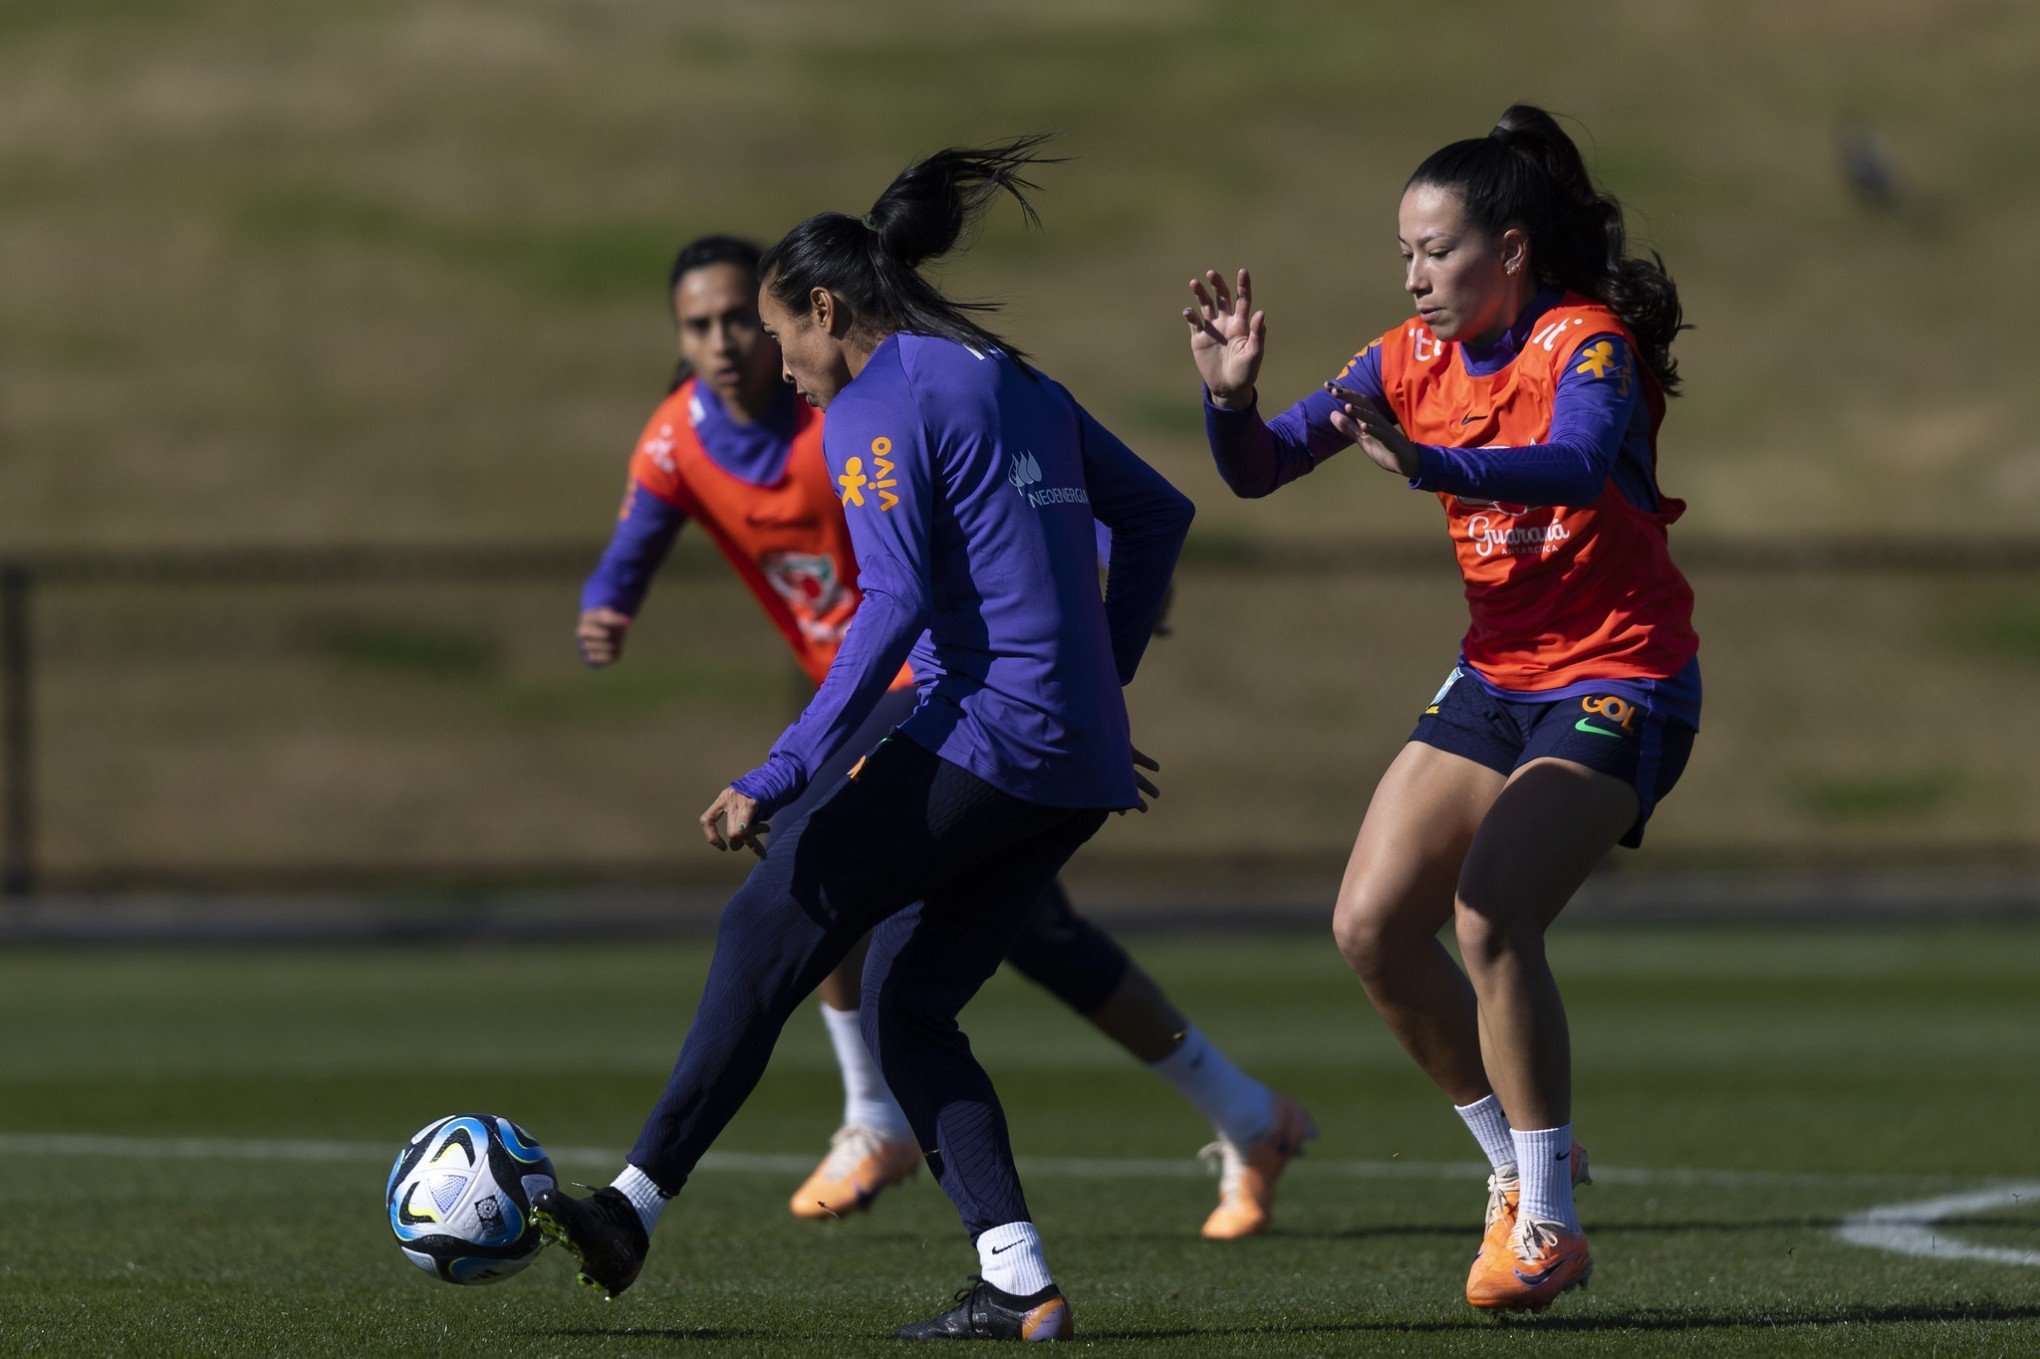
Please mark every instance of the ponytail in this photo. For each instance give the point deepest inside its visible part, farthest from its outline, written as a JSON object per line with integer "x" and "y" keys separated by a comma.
{"x": 873, "y": 262}
{"x": 1527, "y": 173}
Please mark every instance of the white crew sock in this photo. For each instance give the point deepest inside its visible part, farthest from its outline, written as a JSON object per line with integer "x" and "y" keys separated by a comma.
{"x": 1490, "y": 1127}
{"x": 1240, "y": 1107}
{"x": 1544, "y": 1160}
{"x": 866, "y": 1101}
{"x": 1010, "y": 1259}
{"x": 646, "y": 1197}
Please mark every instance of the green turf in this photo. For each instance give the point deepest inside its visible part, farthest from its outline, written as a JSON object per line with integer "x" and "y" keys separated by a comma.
{"x": 1809, "y": 1074}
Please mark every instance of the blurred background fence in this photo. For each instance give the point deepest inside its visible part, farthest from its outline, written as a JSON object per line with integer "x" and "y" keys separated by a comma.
{"x": 356, "y": 718}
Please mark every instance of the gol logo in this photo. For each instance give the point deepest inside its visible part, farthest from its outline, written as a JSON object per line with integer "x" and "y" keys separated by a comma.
{"x": 1609, "y": 708}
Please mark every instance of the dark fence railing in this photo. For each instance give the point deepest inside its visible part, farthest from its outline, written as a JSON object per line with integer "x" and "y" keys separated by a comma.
{"x": 24, "y": 577}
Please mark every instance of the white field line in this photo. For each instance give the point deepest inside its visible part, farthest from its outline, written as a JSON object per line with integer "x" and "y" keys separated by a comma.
{"x": 1903, "y": 1228}
{"x": 1909, "y": 1228}
{"x": 1070, "y": 1167}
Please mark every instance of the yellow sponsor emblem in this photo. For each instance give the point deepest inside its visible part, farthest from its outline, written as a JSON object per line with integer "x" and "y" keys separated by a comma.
{"x": 855, "y": 482}
{"x": 1598, "y": 359}
{"x": 852, "y": 481}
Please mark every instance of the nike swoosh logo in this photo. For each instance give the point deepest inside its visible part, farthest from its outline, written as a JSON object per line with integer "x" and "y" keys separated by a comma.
{"x": 1001, "y": 1250}
{"x": 1532, "y": 1280}
{"x": 1562, "y": 1155}
{"x": 1584, "y": 725}
{"x": 1467, "y": 420}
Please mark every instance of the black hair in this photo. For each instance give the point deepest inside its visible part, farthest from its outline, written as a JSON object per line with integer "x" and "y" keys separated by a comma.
{"x": 873, "y": 262}
{"x": 699, "y": 253}
{"x": 1527, "y": 173}
{"x": 703, "y": 251}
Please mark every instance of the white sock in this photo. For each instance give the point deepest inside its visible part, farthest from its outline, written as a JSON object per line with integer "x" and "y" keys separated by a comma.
{"x": 1544, "y": 1160}
{"x": 1490, "y": 1127}
{"x": 646, "y": 1197}
{"x": 1240, "y": 1107}
{"x": 1010, "y": 1259}
{"x": 866, "y": 1101}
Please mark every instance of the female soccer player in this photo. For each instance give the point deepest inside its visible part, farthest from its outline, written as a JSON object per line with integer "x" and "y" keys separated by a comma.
{"x": 969, "y": 483}
{"x": 733, "y": 448}
{"x": 1526, "y": 393}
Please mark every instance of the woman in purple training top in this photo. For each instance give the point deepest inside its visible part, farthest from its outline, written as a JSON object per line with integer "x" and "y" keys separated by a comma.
{"x": 734, "y": 451}
{"x": 969, "y": 483}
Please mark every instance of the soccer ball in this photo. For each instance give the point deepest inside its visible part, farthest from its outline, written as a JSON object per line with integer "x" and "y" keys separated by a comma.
{"x": 459, "y": 1198}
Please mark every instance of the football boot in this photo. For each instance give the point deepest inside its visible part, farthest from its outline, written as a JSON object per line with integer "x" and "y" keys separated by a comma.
{"x": 861, "y": 1163}
{"x": 983, "y": 1312}
{"x": 603, "y": 1231}
{"x": 1247, "y": 1175}
{"x": 1541, "y": 1261}
{"x": 1505, "y": 1192}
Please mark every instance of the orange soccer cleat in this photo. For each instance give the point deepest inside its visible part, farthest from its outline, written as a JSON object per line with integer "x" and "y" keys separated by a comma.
{"x": 1540, "y": 1261}
{"x": 1504, "y": 1193}
{"x": 861, "y": 1162}
{"x": 1247, "y": 1175}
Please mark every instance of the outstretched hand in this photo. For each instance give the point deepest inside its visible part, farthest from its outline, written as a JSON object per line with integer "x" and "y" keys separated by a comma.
{"x": 1367, "y": 425}
{"x": 739, "y": 813}
{"x": 1227, "y": 338}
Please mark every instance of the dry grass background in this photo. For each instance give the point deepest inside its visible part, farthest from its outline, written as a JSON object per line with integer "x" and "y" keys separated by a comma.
{"x": 294, "y": 273}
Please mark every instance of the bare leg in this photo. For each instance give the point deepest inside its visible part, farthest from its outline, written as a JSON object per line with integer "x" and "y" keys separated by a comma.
{"x": 1139, "y": 1018}
{"x": 1553, "y": 822}
{"x": 1397, "y": 896}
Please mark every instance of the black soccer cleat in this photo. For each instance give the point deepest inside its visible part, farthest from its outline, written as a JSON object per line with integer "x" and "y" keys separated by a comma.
{"x": 603, "y": 1232}
{"x": 983, "y": 1312}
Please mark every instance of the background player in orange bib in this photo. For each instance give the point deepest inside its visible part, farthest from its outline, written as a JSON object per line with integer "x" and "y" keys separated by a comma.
{"x": 1526, "y": 393}
{"x": 734, "y": 450}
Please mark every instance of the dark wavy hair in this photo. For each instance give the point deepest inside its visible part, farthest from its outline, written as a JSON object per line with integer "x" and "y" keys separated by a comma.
{"x": 1528, "y": 173}
{"x": 873, "y": 262}
{"x": 699, "y": 253}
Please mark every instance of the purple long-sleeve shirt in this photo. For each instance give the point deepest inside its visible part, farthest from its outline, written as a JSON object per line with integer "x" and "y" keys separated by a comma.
{"x": 1600, "y": 428}
{"x": 970, "y": 486}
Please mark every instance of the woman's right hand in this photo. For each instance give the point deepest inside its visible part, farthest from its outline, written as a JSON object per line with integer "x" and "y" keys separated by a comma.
{"x": 1227, "y": 338}
{"x": 600, "y": 635}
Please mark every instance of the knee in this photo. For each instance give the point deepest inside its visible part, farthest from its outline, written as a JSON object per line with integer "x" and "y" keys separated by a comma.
{"x": 1366, "y": 936}
{"x": 1488, "y": 939}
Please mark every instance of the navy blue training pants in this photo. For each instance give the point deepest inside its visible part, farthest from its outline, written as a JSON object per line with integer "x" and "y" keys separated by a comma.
{"x": 952, "y": 867}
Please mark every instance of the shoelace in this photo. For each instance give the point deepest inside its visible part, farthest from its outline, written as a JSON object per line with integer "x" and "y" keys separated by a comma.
{"x": 1227, "y": 1161}
{"x": 849, "y": 1145}
{"x": 1532, "y": 1238}
{"x": 1499, "y": 1187}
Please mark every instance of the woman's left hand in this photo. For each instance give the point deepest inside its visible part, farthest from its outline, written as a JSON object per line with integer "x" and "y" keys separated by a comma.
{"x": 1142, "y": 782}
{"x": 741, "y": 813}
{"x": 1364, "y": 423}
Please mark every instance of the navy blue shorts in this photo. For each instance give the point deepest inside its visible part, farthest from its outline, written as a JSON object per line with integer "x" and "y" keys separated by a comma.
{"x": 1608, "y": 732}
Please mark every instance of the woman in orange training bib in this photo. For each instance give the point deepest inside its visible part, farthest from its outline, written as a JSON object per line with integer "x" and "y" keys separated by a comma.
{"x": 1526, "y": 394}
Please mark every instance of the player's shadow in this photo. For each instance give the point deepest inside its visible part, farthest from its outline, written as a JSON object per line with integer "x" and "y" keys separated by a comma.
{"x": 1640, "y": 1319}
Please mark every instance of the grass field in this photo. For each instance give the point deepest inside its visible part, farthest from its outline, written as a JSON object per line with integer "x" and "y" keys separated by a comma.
{"x": 197, "y": 1142}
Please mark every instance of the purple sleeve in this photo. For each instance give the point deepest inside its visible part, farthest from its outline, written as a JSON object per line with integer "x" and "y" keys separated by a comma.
{"x": 890, "y": 533}
{"x": 1255, "y": 458}
{"x": 1591, "y": 411}
{"x": 1148, "y": 519}
{"x": 644, "y": 535}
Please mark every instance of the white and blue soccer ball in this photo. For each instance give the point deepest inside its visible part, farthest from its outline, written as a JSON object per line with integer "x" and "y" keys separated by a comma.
{"x": 459, "y": 1198}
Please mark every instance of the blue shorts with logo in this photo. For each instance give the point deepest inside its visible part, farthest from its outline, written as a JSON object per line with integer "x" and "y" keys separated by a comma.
{"x": 1611, "y": 730}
